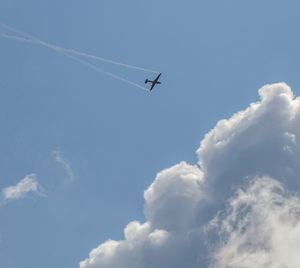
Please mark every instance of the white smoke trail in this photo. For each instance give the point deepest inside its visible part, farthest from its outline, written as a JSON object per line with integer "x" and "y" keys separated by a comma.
{"x": 104, "y": 72}
{"x": 73, "y": 51}
{"x": 68, "y": 53}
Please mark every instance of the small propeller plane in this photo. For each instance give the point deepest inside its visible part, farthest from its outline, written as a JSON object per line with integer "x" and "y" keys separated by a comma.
{"x": 154, "y": 82}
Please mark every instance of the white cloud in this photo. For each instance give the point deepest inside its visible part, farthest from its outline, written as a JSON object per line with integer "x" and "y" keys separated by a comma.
{"x": 261, "y": 228}
{"x": 259, "y": 225}
{"x": 26, "y": 186}
{"x": 175, "y": 192}
{"x": 57, "y": 155}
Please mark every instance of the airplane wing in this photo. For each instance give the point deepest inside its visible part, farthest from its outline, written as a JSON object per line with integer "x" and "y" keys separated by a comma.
{"x": 155, "y": 81}
{"x": 153, "y": 84}
{"x": 157, "y": 78}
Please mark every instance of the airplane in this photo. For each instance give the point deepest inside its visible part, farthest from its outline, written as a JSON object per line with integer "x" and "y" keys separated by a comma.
{"x": 154, "y": 82}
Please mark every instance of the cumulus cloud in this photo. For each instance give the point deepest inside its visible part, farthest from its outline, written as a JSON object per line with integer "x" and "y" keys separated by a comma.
{"x": 26, "y": 186}
{"x": 261, "y": 228}
{"x": 175, "y": 192}
{"x": 237, "y": 207}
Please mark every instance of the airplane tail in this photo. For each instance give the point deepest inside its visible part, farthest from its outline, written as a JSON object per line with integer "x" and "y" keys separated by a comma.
{"x": 146, "y": 81}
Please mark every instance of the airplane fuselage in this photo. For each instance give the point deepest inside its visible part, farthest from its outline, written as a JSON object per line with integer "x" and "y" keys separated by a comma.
{"x": 153, "y": 82}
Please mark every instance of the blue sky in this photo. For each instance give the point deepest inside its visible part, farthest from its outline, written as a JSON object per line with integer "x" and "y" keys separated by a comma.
{"x": 214, "y": 55}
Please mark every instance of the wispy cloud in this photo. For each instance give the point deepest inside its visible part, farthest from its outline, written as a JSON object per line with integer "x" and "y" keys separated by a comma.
{"x": 26, "y": 186}
{"x": 59, "y": 158}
